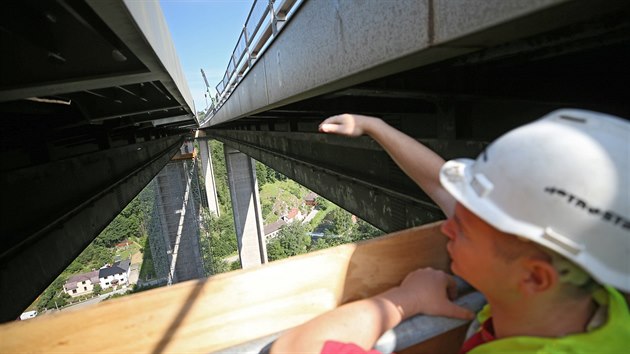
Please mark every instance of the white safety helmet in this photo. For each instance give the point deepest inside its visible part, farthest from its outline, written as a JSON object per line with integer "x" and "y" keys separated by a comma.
{"x": 563, "y": 182}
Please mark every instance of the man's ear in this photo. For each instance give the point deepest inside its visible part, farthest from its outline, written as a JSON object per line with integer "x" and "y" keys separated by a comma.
{"x": 537, "y": 276}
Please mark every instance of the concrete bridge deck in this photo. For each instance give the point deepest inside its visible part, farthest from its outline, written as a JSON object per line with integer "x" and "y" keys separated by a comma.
{"x": 453, "y": 74}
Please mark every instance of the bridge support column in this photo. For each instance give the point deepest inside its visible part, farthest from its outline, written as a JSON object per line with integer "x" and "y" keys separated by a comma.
{"x": 246, "y": 205}
{"x": 208, "y": 176}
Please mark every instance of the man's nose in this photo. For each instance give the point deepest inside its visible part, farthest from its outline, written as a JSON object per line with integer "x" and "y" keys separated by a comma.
{"x": 447, "y": 228}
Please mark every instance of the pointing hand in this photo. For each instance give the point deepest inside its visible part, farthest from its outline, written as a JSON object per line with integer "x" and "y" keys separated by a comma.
{"x": 346, "y": 124}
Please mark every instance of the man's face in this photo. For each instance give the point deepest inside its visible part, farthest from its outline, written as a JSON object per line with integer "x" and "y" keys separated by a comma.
{"x": 474, "y": 247}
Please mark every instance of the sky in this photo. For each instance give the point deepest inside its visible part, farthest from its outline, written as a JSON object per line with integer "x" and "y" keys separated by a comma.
{"x": 204, "y": 33}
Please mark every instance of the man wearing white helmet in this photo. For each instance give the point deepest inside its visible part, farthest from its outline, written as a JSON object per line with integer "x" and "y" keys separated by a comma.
{"x": 539, "y": 223}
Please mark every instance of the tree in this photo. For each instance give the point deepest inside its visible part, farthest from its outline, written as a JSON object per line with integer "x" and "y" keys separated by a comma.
{"x": 48, "y": 297}
{"x": 236, "y": 265}
{"x": 275, "y": 251}
{"x": 261, "y": 174}
{"x": 322, "y": 203}
{"x": 292, "y": 240}
{"x": 342, "y": 221}
{"x": 97, "y": 289}
{"x": 218, "y": 240}
{"x": 320, "y": 244}
{"x": 364, "y": 231}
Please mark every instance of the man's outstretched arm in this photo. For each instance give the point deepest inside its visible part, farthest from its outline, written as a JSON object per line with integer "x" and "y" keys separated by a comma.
{"x": 362, "y": 322}
{"x": 420, "y": 163}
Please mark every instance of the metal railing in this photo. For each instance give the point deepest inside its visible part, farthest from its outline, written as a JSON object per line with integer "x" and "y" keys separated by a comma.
{"x": 265, "y": 20}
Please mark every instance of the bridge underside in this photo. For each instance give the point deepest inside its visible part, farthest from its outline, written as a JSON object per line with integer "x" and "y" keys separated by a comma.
{"x": 456, "y": 106}
{"x": 92, "y": 105}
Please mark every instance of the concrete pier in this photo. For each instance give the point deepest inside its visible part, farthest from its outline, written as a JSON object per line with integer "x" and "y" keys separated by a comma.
{"x": 208, "y": 176}
{"x": 248, "y": 221}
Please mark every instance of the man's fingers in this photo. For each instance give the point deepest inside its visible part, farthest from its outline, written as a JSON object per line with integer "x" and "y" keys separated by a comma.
{"x": 331, "y": 128}
{"x": 342, "y": 124}
{"x": 332, "y": 119}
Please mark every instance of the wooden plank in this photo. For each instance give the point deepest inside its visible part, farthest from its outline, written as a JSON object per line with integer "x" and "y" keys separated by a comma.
{"x": 224, "y": 310}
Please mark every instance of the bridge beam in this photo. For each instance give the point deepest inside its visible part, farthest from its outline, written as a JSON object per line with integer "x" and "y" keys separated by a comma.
{"x": 51, "y": 212}
{"x": 374, "y": 189}
{"x": 248, "y": 220}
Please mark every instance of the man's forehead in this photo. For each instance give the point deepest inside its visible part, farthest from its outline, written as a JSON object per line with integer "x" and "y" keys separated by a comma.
{"x": 465, "y": 217}
{"x": 463, "y": 214}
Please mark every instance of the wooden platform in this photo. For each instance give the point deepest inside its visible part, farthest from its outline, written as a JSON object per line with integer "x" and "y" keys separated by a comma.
{"x": 228, "y": 309}
{"x": 179, "y": 156}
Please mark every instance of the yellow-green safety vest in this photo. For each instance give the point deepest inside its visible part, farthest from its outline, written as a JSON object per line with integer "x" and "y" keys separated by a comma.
{"x": 612, "y": 337}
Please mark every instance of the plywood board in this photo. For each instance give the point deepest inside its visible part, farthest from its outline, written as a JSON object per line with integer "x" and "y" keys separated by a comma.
{"x": 228, "y": 309}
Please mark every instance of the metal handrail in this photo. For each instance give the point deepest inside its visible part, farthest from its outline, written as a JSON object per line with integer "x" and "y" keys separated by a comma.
{"x": 264, "y": 22}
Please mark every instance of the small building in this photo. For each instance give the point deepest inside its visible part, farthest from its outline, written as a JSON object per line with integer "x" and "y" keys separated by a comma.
{"x": 311, "y": 199}
{"x": 81, "y": 284}
{"x": 273, "y": 229}
{"x": 123, "y": 245}
{"x": 293, "y": 214}
{"x": 107, "y": 276}
{"x": 114, "y": 275}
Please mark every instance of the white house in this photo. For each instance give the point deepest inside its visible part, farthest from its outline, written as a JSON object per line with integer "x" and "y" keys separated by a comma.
{"x": 114, "y": 275}
{"x": 273, "y": 229}
{"x": 292, "y": 215}
{"x": 81, "y": 284}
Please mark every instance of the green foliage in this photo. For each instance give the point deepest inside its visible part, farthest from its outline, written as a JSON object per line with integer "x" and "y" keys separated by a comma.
{"x": 93, "y": 257}
{"x": 218, "y": 236}
{"x": 217, "y": 266}
{"x": 353, "y": 232}
{"x": 322, "y": 203}
{"x": 320, "y": 244}
{"x": 236, "y": 265}
{"x": 292, "y": 240}
{"x": 261, "y": 174}
{"x": 279, "y": 197}
{"x": 319, "y": 218}
{"x": 266, "y": 174}
{"x": 362, "y": 230}
{"x": 267, "y": 210}
{"x": 63, "y": 300}
{"x": 97, "y": 289}
{"x": 218, "y": 241}
{"x": 129, "y": 224}
{"x": 52, "y": 293}
{"x": 147, "y": 270}
{"x": 221, "y": 233}
{"x": 342, "y": 221}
